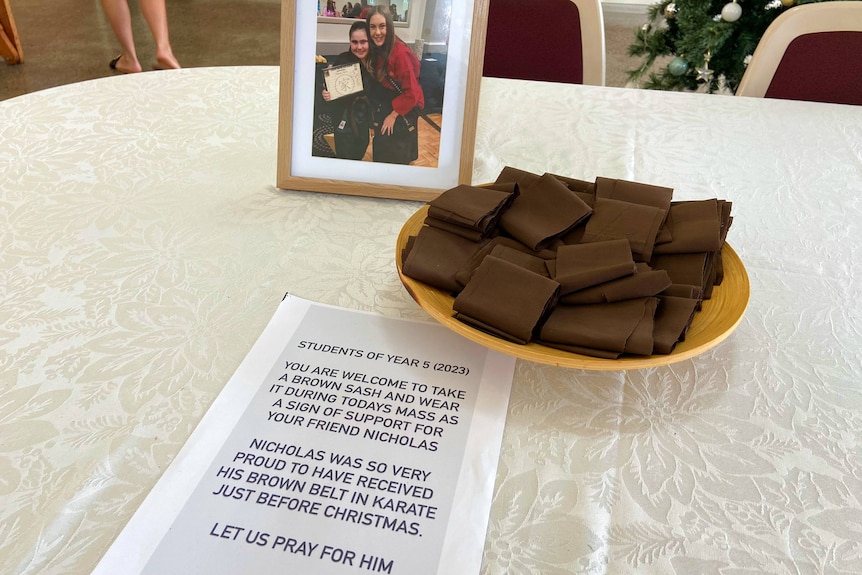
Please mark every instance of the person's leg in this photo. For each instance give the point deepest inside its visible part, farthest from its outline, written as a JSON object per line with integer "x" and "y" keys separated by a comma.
{"x": 117, "y": 12}
{"x": 157, "y": 18}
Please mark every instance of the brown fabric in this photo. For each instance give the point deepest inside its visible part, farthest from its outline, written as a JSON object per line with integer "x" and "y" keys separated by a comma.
{"x": 436, "y": 256}
{"x": 599, "y": 353}
{"x": 664, "y": 234}
{"x": 583, "y": 265}
{"x": 634, "y": 192}
{"x": 464, "y": 232}
{"x": 672, "y": 320}
{"x": 589, "y": 199}
{"x": 487, "y": 328}
{"x": 695, "y": 227}
{"x": 615, "y": 219}
{"x": 584, "y": 190}
{"x": 516, "y": 245}
{"x": 464, "y": 274}
{"x": 710, "y": 273}
{"x": 581, "y": 187}
{"x": 507, "y": 297}
{"x": 508, "y": 187}
{"x": 501, "y": 245}
{"x": 544, "y": 210}
{"x": 521, "y": 177}
{"x": 605, "y": 326}
{"x": 719, "y": 268}
{"x": 726, "y": 219}
{"x": 408, "y": 245}
{"x": 575, "y": 235}
{"x": 640, "y": 342}
{"x": 471, "y": 207}
{"x": 522, "y": 259}
{"x": 688, "y": 269}
{"x": 682, "y": 290}
{"x": 645, "y": 282}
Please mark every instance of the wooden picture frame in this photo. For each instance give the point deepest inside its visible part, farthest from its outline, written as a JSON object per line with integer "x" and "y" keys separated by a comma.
{"x": 299, "y": 165}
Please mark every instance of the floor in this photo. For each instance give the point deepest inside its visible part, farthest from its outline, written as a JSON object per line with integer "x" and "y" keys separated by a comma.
{"x": 67, "y": 41}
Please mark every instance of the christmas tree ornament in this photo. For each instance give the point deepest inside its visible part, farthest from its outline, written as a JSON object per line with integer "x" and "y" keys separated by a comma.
{"x": 677, "y": 66}
{"x": 704, "y": 74}
{"x": 670, "y": 10}
{"x": 788, "y": 3}
{"x": 731, "y": 12}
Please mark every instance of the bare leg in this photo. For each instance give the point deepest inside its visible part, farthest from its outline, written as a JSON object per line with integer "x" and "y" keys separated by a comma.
{"x": 157, "y": 18}
{"x": 118, "y": 15}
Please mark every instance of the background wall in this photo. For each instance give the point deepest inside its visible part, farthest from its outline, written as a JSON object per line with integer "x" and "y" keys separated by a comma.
{"x": 433, "y": 27}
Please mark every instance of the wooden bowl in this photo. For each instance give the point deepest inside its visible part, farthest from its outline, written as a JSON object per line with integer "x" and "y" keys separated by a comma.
{"x": 716, "y": 320}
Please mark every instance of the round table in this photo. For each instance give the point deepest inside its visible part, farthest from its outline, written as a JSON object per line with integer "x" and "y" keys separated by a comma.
{"x": 145, "y": 247}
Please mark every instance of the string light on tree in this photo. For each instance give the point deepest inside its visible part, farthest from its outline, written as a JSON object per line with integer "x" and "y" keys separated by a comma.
{"x": 731, "y": 11}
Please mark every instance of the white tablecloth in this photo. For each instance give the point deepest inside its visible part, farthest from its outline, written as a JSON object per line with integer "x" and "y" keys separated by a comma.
{"x": 144, "y": 247}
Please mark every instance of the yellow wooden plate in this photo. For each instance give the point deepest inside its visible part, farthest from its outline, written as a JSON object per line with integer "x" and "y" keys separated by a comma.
{"x": 717, "y": 319}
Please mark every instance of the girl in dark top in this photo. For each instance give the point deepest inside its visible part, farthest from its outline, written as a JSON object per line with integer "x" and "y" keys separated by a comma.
{"x": 352, "y": 113}
{"x": 395, "y": 94}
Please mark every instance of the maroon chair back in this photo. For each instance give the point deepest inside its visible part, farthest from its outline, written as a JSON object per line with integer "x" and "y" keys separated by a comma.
{"x": 820, "y": 67}
{"x": 534, "y": 40}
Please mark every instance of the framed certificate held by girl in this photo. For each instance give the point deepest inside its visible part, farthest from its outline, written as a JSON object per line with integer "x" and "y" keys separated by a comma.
{"x": 381, "y": 105}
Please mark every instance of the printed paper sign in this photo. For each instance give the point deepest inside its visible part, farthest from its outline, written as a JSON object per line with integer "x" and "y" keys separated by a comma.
{"x": 345, "y": 443}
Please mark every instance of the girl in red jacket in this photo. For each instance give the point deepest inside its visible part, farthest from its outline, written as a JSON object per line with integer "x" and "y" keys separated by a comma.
{"x": 395, "y": 92}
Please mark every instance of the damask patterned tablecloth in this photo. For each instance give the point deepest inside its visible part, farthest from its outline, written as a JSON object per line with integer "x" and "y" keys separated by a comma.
{"x": 144, "y": 248}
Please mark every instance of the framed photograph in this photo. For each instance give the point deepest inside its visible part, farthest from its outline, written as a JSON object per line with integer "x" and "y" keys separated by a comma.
{"x": 382, "y": 105}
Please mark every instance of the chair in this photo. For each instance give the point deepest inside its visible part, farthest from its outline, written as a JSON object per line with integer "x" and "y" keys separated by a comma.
{"x": 547, "y": 40}
{"x": 811, "y": 52}
{"x": 10, "y": 44}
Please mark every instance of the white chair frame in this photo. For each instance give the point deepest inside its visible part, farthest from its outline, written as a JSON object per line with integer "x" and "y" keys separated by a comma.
{"x": 592, "y": 40}
{"x": 806, "y": 19}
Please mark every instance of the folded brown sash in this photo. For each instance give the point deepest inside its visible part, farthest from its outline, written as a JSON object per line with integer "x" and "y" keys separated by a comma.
{"x": 645, "y": 282}
{"x": 584, "y": 265}
{"x": 694, "y": 227}
{"x": 471, "y": 207}
{"x": 615, "y": 219}
{"x": 543, "y": 211}
{"x": 600, "y": 269}
{"x": 506, "y": 299}
{"x": 435, "y": 256}
{"x": 672, "y": 320}
{"x": 606, "y": 326}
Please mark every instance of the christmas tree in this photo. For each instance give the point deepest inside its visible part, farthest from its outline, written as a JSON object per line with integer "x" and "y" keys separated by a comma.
{"x": 708, "y": 42}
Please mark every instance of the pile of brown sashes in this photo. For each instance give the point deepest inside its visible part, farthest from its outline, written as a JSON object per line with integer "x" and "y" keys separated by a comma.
{"x": 601, "y": 269}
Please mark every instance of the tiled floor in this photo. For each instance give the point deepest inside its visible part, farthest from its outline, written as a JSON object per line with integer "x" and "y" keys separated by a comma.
{"x": 67, "y": 41}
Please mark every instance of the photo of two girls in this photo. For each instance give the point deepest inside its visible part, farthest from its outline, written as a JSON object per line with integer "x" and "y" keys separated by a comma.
{"x": 384, "y": 119}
